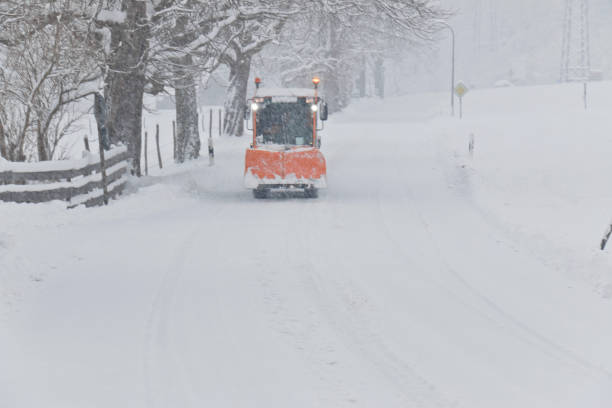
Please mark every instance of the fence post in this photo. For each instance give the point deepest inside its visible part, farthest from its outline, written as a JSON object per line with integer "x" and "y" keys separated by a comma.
{"x": 146, "y": 148}
{"x": 174, "y": 139}
{"x": 159, "y": 159}
{"x": 103, "y": 170}
{"x": 210, "y": 124}
{"x": 100, "y": 115}
{"x": 211, "y": 148}
{"x": 86, "y": 141}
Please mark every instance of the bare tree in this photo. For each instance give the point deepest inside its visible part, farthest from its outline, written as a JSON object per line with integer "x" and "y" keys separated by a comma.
{"x": 53, "y": 53}
{"x": 45, "y": 68}
{"x": 336, "y": 40}
{"x": 167, "y": 48}
{"x": 252, "y": 38}
{"x": 195, "y": 38}
{"x": 124, "y": 68}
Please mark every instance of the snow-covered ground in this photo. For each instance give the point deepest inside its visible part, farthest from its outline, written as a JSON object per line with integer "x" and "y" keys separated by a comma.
{"x": 423, "y": 277}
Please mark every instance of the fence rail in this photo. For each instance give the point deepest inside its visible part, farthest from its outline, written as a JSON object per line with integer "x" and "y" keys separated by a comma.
{"x": 77, "y": 182}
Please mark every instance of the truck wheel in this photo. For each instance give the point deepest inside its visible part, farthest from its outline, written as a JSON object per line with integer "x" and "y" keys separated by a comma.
{"x": 260, "y": 193}
{"x": 311, "y": 192}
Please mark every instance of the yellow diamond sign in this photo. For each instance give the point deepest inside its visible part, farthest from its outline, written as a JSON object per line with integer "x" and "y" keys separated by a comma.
{"x": 461, "y": 89}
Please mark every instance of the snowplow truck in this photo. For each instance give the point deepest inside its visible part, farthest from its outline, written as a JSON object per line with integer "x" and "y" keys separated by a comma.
{"x": 284, "y": 153}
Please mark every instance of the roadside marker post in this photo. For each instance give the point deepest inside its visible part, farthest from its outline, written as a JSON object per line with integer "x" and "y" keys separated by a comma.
{"x": 174, "y": 140}
{"x": 159, "y": 158}
{"x": 211, "y": 147}
{"x": 146, "y": 151}
{"x": 472, "y": 145}
{"x": 461, "y": 90}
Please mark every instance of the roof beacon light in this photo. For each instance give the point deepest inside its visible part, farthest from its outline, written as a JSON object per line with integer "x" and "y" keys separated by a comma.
{"x": 257, "y": 82}
{"x": 316, "y": 81}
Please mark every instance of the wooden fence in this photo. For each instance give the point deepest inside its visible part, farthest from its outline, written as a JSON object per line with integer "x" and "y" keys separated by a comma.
{"x": 78, "y": 182}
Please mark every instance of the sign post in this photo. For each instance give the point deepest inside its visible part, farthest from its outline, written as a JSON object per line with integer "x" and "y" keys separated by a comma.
{"x": 100, "y": 113}
{"x": 461, "y": 90}
{"x": 211, "y": 148}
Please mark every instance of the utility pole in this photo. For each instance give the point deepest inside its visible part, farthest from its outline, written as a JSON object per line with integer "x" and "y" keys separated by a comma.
{"x": 452, "y": 85}
{"x": 494, "y": 28}
{"x": 575, "y": 52}
{"x": 477, "y": 26}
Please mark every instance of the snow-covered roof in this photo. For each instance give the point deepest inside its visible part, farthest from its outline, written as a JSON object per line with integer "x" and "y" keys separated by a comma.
{"x": 294, "y": 92}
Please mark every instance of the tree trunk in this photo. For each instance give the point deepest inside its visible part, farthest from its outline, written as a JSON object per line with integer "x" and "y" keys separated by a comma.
{"x": 187, "y": 130}
{"x": 338, "y": 79}
{"x": 41, "y": 146}
{"x": 379, "y": 77}
{"x": 236, "y": 96}
{"x": 361, "y": 81}
{"x": 3, "y": 144}
{"x": 331, "y": 90}
{"x": 186, "y": 96}
{"x": 125, "y": 81}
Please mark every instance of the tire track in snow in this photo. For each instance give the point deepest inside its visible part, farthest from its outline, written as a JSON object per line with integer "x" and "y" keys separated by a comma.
{"x": 350, "y": 323}
{"x": 163, "y": 365}
{"x": 345, "y": 306}
{"x": 332, "y": 324}
{"x": 344, "y": 314}
{"x": 302, "y": 328}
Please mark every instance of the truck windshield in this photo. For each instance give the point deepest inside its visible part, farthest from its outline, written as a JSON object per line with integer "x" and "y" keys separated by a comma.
{"x": 285, "y": 123}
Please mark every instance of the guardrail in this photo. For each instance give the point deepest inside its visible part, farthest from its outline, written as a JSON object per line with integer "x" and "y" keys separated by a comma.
{"x": 78, "y": 182}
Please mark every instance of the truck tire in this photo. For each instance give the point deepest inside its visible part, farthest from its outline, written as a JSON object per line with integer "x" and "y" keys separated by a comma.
{"x": 311, "y": 192}
{"x": 260, "y": 193}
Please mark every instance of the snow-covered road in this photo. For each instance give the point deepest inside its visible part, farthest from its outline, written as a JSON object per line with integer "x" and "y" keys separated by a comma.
{"x": 401, "y": 286}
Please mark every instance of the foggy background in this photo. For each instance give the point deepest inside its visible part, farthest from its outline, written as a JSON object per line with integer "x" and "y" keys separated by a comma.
{"x": 512, "y": 40}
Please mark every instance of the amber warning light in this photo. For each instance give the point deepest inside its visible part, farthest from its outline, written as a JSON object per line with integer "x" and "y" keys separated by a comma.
{"x": 316, "y": 81}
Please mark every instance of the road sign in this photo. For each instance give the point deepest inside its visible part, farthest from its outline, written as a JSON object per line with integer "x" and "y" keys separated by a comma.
{"x": 461, "y": 89}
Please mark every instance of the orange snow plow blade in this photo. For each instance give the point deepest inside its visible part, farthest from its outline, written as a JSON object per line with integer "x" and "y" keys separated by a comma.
{"x": 291, "y": 167}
